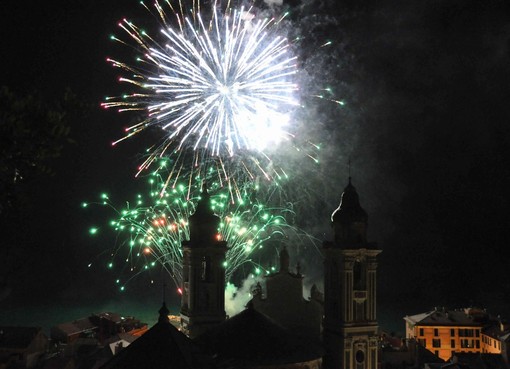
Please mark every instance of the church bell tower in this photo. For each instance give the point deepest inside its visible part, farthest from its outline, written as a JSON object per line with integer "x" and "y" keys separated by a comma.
{"x": 203, "y": 292}
{"x": 350, "y": 322}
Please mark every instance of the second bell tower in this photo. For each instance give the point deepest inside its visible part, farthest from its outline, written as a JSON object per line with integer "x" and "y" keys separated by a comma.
{"x": 350, "y": 322}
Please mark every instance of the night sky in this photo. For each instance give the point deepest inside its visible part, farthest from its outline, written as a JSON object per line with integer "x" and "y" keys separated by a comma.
{"x": 426, "y": 86}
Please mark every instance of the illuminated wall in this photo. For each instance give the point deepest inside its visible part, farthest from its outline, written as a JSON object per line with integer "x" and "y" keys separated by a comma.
{"x": 443, "y": 341}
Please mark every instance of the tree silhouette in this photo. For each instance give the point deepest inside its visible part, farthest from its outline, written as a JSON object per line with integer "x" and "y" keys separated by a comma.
{"x": 32, "y": 134}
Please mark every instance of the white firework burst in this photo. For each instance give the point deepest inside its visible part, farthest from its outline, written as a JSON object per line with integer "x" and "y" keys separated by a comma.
{"x": 221, "y": 83}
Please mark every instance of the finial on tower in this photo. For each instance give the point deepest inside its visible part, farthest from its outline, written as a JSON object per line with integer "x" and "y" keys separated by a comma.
{"x": 163, "y": 311}
{"x": 163, "y": 314}
{"x": 284, "y": 260}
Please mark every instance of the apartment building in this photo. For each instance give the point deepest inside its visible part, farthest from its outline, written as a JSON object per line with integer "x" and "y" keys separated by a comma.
{"x": 446, "y": 332}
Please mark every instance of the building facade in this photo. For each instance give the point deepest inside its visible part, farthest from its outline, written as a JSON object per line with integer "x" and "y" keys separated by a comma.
{"x": 350, "y": 321}
{"x": 284, "y": 303}
{"x": 447, "y": 332}
{"x": 203, "y": 292}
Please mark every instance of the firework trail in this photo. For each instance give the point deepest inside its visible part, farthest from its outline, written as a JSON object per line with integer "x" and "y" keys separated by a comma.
{"x": 152, "y": 234}
{"x": 220, "y": 85}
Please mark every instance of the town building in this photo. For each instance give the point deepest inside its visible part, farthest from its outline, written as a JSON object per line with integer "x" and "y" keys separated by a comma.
{"x": 410, "y": 355}
{"x": 100, "y": 326}
{"x": 448, "y": 332}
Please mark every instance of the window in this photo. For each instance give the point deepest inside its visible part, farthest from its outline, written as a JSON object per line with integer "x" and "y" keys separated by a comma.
{"x": 467, "y": 343}
{"x": 452, "y": 344}
{"x": 421, "y": 331}
{"x": 360, "y": 356}
{"x": 477, "y": 333}
{"x": 436, "y": 342}
{"x": 452, "y": 332}
{"x": 477, "y": 342}
{"x": 359, "y": 276}
{"x": 203, "y": 271}
{"x": 422, "y": 341}
{"x": 436, "y": 332}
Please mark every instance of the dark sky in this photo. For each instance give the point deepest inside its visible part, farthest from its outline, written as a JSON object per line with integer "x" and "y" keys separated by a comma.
{"x": 426, "y": 126}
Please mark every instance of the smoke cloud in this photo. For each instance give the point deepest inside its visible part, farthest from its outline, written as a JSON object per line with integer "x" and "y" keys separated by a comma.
{"x": 237, "y": 298}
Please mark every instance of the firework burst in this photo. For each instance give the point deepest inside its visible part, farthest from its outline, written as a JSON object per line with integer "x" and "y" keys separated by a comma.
{"x": 151, "y": 231}
{"x": 218, "y": 82}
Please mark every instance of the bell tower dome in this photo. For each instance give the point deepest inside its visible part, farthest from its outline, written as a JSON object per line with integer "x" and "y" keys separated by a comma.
{"x": 349, "y": 220}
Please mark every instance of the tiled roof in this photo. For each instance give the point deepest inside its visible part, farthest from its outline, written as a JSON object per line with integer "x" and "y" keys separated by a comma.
{"x": 480, "y": 361}
{"x": 76, "y": 326}
{"x": 444, "y": 317}
{"x": 161, "y": 347}
{"x": 250, "y": 338}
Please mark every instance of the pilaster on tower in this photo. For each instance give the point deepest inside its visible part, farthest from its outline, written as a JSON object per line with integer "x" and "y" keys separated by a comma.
{"x": 203, "y": 292}
{"x": 350, "y": 319}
